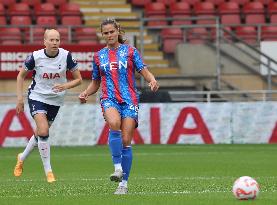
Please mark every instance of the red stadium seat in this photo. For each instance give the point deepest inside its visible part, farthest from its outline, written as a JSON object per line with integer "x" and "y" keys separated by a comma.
{"x": 85, "y": 33}
{"x": 3, "y": 20}
{"x": 46, "y": 20}
{"x": 156, "y": 10}
{"x": 88, "y": 42}
{"x": 191, "y": 2}
{"x": 265, "y": 2}
{"x": 198, "y": 35}
{"x": 247, "y": 33}
{"x": 11, "y": 42}
{"x": 2, "y": 10}
{"x": 205, "y": 10}
{"x": 172, "y": 33}
{"x": 19, "y": 9}
{"x": 57, "y": 2}
{"x": 217, "y": 2}
{"x": 140, "y": 2}
{"x": 45, "y": 9}
{"x": 72, "y": 20}
{"x": 240, "y": 2}
{"x": 21, "y": 21}
{"x": 10, "y": 34}
{"x": 254, "y": 12}
{"x": 272, "y": 12}
{"x": 171, "y": 37}
{"x": 31, "y": 2}
{"x": 7, "y": 2}
{"x": 34, "y": 37}
{"x": 180, "y": 10}
{"x": 229, "y": 13}
{"x": 64, "y": 34}
{"x": 167, "y": 2}
{"x": 269, "y": 33}
{"x": 70, "y": 9}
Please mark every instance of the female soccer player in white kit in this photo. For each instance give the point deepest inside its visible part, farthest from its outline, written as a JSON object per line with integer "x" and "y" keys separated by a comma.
{"x": 45, "y": 94}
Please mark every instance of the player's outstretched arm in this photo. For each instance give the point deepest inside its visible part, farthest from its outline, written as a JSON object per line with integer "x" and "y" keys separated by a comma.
{"x": 77, "y": 80}
{"x": 19, "y": 90}
{"x": 90, "y": 90}
{"x": 149, "y": 77}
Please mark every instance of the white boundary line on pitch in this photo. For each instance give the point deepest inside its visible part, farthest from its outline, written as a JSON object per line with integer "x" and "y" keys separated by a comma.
{"x": 185, "y": 192}
{"x": 57, "y": 155}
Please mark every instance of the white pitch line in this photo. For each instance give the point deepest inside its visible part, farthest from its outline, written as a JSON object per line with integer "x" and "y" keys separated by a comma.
{"x": 185, "y": 192}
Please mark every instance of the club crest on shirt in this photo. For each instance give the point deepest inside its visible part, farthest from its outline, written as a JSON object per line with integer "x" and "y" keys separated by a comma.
{"x": 122, "y": 54}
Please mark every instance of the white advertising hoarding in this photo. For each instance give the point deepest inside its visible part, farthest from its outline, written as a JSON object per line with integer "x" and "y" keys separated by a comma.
{"x": 159, "y": 123}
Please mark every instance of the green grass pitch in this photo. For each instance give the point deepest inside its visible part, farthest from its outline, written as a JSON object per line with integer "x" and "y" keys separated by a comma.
{"x": 161, "y": 174}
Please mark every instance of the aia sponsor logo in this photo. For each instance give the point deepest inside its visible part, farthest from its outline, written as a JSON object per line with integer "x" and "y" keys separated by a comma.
{"x": 50, "y": 75}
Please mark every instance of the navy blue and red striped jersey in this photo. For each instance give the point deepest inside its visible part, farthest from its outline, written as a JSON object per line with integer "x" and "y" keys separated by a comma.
{"x": 116, "y": 70}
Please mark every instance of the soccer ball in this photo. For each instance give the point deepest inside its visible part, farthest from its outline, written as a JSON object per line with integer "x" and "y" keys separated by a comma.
{"x": 245, "y": 188}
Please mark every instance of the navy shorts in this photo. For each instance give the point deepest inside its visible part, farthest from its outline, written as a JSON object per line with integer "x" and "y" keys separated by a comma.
{"x": 125, "y": 110}
{"x": 51, "y": 111}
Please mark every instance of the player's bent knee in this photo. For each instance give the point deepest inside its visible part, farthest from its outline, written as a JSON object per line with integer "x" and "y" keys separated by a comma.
{"x": 114, "y": 125}
{"x": 43, "y": 133}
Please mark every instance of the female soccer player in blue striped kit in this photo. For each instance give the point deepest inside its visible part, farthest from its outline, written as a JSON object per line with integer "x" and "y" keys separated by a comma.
{"x": 114, "y": 68}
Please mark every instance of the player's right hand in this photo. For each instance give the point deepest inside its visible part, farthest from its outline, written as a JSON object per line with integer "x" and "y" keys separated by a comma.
{"x": 83, "y": 97}
{"x": 19, "y": 107}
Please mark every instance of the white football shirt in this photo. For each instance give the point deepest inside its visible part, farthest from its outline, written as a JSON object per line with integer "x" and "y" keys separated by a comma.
{"x": 48, "y": 71}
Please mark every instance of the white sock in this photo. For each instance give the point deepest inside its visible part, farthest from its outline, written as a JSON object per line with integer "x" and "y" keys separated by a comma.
{"x": 29, "y": 148}
{"x": 123, "y": 183}
{"x": 117, "y": 166}
{"x": 44, "y": 150}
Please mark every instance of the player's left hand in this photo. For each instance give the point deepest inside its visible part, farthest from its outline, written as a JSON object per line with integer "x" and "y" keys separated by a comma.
{"x": 154, "y": 86}
{"x": 58, "y": 88}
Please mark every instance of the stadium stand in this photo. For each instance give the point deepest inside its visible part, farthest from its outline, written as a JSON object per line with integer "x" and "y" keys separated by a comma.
{"x": 71, "y": 20}
{"x": 70, "y": 9}
{"x": 156, "y": 10}
{"x": 234, "y": 14}
{"x": 44, "y": 9}
{"x": 205, "y": 10}
{"x": 19, "y": 9}
{"x": 12, "y": 35}
{"x": 269, "y": 33}
{"x": 3, "y": 20}
{"x": 167, "y": 2}
{"x": 46, "y": 21}
{"x": 171, "y": 37}
{"x": 33, "y": 36}
{"x": 31, "y": 3}
{"x": 180, "y": 10}
{"x": 7, "y": 2}
{"x": 140, "y": 3}
{"x": 254, "y": 12}
{"x": 240, "y": 2}
{"x": 21, "y": 21}
{"x": 191, "y": 2}
{"x": 85, "y": 34}
{"x": 272, "y": 11}
{"x": 57, "y": 3}
{"x": 247, "y": 33}
{"x": 229, "y": 13}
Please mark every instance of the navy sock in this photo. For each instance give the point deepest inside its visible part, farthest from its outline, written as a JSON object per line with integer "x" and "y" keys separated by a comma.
{"x": 127, "y": 158}
{"x": 115, "y": 144}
